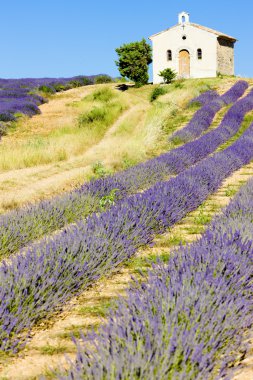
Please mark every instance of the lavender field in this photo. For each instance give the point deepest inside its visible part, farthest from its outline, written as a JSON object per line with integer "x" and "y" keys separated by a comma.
{"x": 189, "y": 313}
{"x": 22, "y": 96}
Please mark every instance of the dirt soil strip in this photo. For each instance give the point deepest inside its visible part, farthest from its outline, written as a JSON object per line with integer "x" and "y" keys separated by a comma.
{"x": 51, "y": 340}
{"x": 244, "y": 371}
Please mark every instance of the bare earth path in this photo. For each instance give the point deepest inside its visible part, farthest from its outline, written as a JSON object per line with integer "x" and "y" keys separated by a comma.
{"x": 245, "y": 368}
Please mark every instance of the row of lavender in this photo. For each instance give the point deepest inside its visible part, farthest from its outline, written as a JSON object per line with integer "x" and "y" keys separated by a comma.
{"x": 205, "y": 98}
{"x": 186, "y": 321}
{"x": 45, "y": 275}
{"x": 19, "y": 95}
{"x": 177, "y": 160}
{"x": 18, "y": 228}
{"x": 194, "y": 129}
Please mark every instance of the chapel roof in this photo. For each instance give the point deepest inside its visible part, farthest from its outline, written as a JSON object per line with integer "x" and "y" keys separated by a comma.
{"x": 213, "y": 31}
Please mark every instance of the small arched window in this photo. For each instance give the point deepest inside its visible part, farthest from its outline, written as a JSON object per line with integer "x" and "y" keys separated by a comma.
{"x": 183, "y": 19}
{"x": 169, "y": 55}
{"x": 199, "y": 53}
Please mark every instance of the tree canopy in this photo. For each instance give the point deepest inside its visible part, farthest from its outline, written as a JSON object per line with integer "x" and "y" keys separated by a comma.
{"x": 134, "y": 59}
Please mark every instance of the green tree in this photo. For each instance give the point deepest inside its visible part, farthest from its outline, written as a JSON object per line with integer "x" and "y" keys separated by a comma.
{"x": 134, "y": 59}
{"x": 168, "y": 75}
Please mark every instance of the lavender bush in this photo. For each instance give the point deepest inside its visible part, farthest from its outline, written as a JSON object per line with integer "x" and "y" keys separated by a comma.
{"x": 46, "y": 274}
{"x": 203, "y": 118}
{"x": 205, "y": 97}
{"x": 177, "y": 160}
{"x": 19, "y": 95}
{"x": 186, "y": 321}
{"x": 18, "y": 228}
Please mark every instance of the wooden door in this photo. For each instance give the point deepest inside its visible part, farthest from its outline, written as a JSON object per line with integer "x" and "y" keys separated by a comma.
{"x": 184, "y": 64}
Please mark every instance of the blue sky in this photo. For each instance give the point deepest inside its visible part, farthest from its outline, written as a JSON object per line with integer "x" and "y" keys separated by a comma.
{"x": 69, "y": 37}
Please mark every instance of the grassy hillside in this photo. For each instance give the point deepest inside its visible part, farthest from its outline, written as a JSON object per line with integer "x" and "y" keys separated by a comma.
{"x": 90, "y": 129}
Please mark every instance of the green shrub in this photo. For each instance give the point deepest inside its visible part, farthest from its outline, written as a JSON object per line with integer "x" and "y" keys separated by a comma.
{"x": 96, "y": 114}
{"x": 103, "y": 79}
{"x": 157, "y": 92}
{"x": 108, "y": 200}
{"x": 99, "y": 170}
{"x": 47, "y": 89}
{"x": 103, "y": 95}
{"x": 75, "y": 83}
{"x": 98, "y": 119}
{"x": 127, "y": 162}
{"x": 121, "y": 80}
{"x": 194, "y": 105}
{"x": 176, "y": 140}
{"x": 179, "y": 83}
{"x": 168, "y": 75}
{"x": 86, "y": 81}
{"x": 61, "y": 87}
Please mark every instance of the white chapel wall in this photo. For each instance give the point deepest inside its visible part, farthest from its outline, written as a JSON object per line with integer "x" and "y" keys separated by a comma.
{"x": 195, "y": 39}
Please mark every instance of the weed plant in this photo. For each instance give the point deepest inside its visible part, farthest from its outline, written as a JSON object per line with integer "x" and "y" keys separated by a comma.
{"x": 158, "y": 91}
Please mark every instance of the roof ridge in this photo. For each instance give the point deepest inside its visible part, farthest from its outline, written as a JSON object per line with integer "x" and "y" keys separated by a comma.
{"x": 207, "y": 29}
{"x": 212, "y": 31}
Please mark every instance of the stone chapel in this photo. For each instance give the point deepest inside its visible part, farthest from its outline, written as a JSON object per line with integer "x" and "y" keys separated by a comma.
{"x": 192, "y": 50}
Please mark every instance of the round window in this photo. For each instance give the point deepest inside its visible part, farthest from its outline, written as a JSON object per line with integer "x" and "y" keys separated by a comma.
{"x": 184, "y": 37}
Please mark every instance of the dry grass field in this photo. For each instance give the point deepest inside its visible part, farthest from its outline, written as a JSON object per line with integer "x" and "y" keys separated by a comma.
{"x": 51, "y": 153}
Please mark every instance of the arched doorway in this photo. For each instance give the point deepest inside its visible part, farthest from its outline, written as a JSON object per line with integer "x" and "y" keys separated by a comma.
{"x": 184, "y": 64}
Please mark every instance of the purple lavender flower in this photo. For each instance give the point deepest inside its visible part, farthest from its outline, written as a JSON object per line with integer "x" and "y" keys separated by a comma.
{"x": 188, "y": 317}
{"x": 19, "y": 227}
{"x": 205, "y": 97}
{"x": 47, "y": 273}
{"x": 17, "y": 95}
{"x": 203, "y": 118}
